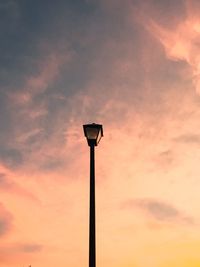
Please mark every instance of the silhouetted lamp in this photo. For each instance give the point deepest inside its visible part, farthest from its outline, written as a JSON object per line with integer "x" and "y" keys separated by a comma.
{"x": 93, "y": 132}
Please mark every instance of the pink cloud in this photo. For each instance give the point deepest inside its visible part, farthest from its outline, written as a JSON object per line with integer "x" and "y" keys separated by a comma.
{"x": 180, "y": 41}
{"x": 9, "y": 185}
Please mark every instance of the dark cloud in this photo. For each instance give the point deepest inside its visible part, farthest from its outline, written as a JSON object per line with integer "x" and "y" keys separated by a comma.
{"x": 5, "y": 221}
{"x": 19, "y": 249}
{"x": 51, "y": 164}
{"x": 4, "y": 181}
{"x": 166, "y": 13}
{"x": 108, "y": 58}
{"x": 11, "y": 157}
{"x": 159, "y": 210}
{"x": 33, "y": 32}
{"x": 36, "y": 23}
{"x": 30, "y": 248}
{"x": 164, "y": 159}
{"x": 188, "y": 139}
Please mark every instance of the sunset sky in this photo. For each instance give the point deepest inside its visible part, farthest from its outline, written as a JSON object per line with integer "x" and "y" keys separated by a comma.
{"x": 132, "y": 66}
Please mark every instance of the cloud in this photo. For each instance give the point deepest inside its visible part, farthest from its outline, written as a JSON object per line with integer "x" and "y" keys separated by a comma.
{"x": 12, "y": 252}
{"x": 29, "y": 248}
{"x": 11, "y": 9}
{"x": 92, "y": 82}
{"x": 181, "y": 39}
{"x": 165, "y": 159}
{"x": 159, "y": 210}
{"x": 32, "y": 108}
{"x": 10, "y": 184}
{"x": 188, "y": 139}
{"x": 11, "y": 157}
{"x": 48, "y": 71}
{"x": 51, "y": 163}
{"x": 5, "y": 221}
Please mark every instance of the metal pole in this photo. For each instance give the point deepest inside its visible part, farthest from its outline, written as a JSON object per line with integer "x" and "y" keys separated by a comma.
{"x": 92, "y": 241}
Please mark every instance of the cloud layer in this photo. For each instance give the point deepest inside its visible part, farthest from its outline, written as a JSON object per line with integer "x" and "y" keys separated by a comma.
{"x": 132, "y": 66}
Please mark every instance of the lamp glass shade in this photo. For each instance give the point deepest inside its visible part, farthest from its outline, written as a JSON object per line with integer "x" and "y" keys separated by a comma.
{"x": 93, "y": 133}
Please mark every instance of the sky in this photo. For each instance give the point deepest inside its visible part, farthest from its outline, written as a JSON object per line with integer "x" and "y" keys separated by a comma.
{"x": 132, "y": 66}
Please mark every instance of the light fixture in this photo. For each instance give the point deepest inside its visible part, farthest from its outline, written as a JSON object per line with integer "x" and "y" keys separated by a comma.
{"x": 93, "y": 132}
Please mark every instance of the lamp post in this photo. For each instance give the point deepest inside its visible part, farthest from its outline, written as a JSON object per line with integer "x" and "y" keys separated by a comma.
{"x": 93, "y": 132}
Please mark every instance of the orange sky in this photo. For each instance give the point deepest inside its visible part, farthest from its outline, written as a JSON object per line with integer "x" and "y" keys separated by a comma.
{"x": 133, "y": 66}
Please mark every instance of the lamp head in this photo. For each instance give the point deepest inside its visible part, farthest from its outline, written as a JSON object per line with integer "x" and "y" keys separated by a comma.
{"x": 93, "y": 132}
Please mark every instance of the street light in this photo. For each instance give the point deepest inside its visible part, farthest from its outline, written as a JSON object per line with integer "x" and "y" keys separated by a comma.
{"x": 93, "y": 132}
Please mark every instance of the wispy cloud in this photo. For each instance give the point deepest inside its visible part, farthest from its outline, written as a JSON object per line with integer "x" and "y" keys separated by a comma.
{"x": 188, "y": 139}
{"x": 8, "y": 185}
{"x": 26, "y": 247}
{"x": 181, "y": 40}
{"x": 29, "y": 248}
{"x": 5, "y": 221}
{"x": 48, "y": 72}
{"x": 165, "y": 159}
{"x": 32, "y": 106}
{"x": 11, "y": 157}
{"x": 159, "y": 210}
{"x": 10, "y": 252}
